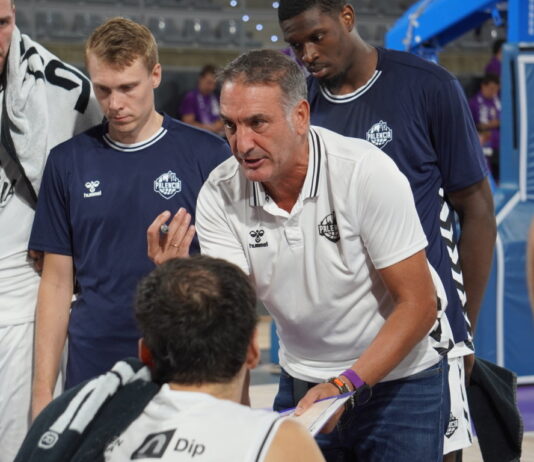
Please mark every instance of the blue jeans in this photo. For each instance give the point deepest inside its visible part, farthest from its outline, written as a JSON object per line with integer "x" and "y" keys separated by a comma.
{"x": 404, "y": 421}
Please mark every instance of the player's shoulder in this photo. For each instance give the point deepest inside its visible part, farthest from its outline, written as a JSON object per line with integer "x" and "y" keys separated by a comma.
{"x": 344, "y": 148}
{"x": 187, "y": 133}
{"x": 227, "y": 174}
{"x": 293, "y": 441}
{"x": 413, "y": 67}
{"x": 349, "y": 158}
{"x": 81, "y": 144}
{"x": 226, "y": 182}
{"x": 194, "y": 145}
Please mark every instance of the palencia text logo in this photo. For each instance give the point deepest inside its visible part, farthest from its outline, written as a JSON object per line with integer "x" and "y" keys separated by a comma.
{"x": 380, "y": 134}
{"x": 167, "y": 185}
{"x": 328, "y": 227}
{"x": 257, "y": 237}
{"x": 92, "y": 188}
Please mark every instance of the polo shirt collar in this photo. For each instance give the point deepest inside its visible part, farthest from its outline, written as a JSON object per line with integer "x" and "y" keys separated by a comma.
{"x": 311, "y": 183}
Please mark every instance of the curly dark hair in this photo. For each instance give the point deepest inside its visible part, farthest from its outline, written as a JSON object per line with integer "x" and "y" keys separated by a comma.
{"x": 197, "y": 316}
{"x": 288, "y": 9}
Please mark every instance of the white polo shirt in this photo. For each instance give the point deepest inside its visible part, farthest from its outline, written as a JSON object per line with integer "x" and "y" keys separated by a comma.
{"x": 315, "y": 269}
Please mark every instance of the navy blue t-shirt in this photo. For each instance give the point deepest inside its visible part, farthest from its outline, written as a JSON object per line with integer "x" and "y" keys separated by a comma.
{"x": 96, "y": 202}
{"x": 416, "y": 112}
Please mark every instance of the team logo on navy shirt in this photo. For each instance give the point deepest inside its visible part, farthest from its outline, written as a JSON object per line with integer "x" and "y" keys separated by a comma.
{"x": 380, "y": 134}
{"x": 257, "y": 237}
{"x": 167, "y": 185}
{"x": 328, "y": 227}
{"x": 92, "y": 187}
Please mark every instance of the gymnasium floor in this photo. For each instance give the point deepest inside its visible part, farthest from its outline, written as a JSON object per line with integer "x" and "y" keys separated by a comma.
{"x": 264, "y": 382}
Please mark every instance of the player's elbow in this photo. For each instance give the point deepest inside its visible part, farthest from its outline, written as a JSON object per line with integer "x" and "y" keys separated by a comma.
{"x": 428, "y": 311}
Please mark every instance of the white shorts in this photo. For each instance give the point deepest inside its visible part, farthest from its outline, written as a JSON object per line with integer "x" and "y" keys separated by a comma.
{"x": 16, "y": 372}
{"x": 458, "y": 435}
{"x": 16, "y": 353}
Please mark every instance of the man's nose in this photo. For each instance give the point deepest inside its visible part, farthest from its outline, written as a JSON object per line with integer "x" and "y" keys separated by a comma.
{"x": 115, "y": 101}
{"x": 309, "y": 53}
{"x": 244, "y": 140}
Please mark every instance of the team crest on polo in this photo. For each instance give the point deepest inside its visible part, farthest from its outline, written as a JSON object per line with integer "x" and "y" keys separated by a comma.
{"x": 257, "y": 240}
{"x": 328, "y": 227}
{"x": 380, "y": 134}
{"x": 167, "y": 185}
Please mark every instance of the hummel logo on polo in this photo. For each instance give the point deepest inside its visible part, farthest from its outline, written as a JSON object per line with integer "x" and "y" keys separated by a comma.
{"x": 257, "y": 236}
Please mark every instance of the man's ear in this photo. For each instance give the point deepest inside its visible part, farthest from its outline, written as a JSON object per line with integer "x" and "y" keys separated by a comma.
{"x": 253, "y": 351}
{"x": 144, "y": 354}
{"x": 348, "y": 17}
{"x": 156, "y": 75}
{"x": 301, "y": 117}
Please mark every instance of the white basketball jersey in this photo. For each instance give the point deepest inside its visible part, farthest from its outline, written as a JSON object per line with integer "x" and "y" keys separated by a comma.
{"x": 188, "y": 426}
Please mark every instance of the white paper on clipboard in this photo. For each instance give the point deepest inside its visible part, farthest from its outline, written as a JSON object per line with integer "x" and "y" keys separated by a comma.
{"x": 319, "y": 413}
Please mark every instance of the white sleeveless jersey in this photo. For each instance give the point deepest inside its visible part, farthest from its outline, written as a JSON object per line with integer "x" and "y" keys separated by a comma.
{"x": 18, "y": 280}
{"x": 189, "y": 426}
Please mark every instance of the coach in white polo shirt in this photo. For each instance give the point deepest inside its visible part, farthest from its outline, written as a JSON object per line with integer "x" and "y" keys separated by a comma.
{"x": 327, "y": 229}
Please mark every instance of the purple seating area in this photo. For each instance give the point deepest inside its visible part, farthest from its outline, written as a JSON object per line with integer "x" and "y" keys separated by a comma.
{"x": 525, "y": 401}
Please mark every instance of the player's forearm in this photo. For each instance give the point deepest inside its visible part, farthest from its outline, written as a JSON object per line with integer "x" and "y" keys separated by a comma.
{"x": 474, "y": 206}
{"x": 51, "y": 321}
{"x": 396, "y": 339}
{"x": 476, "y": 245}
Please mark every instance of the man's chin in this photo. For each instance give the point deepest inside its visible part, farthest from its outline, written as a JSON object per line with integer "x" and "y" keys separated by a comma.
{"x": 255, "y": 175}
{"x": 332, "y": 82}
{"x": 121, "y": 127}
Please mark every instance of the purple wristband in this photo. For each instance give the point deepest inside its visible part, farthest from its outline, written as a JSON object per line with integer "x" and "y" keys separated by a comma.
{"x": 354, "y": 378}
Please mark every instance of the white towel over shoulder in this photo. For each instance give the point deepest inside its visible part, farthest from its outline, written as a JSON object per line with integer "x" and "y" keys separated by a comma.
{"x": 47, "y": 102}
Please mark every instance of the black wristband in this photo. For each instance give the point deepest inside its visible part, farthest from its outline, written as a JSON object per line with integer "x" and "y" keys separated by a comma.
{"x": 342, "y": 388}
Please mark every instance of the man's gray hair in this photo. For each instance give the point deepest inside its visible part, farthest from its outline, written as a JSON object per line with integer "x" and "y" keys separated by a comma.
{"x": 267, "y": 67}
